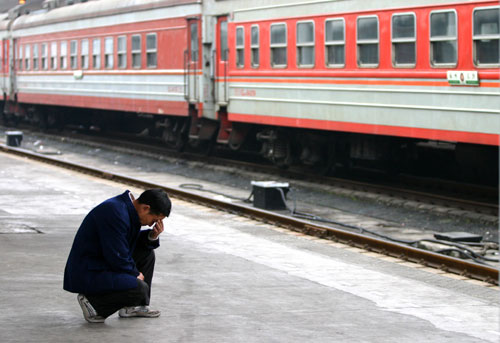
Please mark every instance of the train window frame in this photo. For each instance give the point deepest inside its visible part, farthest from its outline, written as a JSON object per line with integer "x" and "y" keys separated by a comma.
{"x": 84, "y": 54}
{"x": 255, "y": 47}
{"x": 73, "y": 62}
{"x": 20, "y": 59}
{"x": 63, "y": 55}
{"x": 96, "y": 53}
{"x": 194, "y": 41}
{"x": 44, "y": 56}
{"x": 439, "y": 39}
{"x": 274, "y": 46}
{"x": 5, "y": 54}
{"x": 136, "y": 54}
{"x": 334, "y": 43}
{"x": 224, "y": 51}
{"x": 27, "y": 57}
{"x": 109, "y": 46}
{"x": 476, "y": 37}
{"x": 121, "y": 52}
{"x": 299, "y": 46}
{"x": 364, "y": 42}
{"x": 35, "y": 57}
{"x": 240, "y": 47}
{"x": 53, "y": 55}
{"x": 152, "y": 51}
{"x": 404, "y": 40}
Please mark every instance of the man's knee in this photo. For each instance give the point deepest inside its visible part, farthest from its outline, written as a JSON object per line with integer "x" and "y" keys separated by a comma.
{"x": 151, "y": 257}
{"x": 144, "y": 256}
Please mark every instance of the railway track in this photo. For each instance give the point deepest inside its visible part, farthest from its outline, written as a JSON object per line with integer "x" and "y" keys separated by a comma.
{"x": 472, "y": 201}
{"x": 466, "y": 268}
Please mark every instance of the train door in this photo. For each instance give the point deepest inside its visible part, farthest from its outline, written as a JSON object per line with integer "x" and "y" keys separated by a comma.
{"x": 4, "y": 68}
{"x": 12, "y": 70}
{"x": 221, "y": 63}
{"x": 191, "y": 62}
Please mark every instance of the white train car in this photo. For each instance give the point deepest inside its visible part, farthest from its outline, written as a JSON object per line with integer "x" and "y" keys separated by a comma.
{"x": 111, "y": 55}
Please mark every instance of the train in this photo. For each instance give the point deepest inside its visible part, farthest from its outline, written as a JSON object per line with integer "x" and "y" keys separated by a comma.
{"x": 327, "y": 84}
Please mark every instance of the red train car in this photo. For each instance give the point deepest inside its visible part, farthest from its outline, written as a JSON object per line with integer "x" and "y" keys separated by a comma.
{"x": 322, "y": 83}
{"x": 378, "y": 78}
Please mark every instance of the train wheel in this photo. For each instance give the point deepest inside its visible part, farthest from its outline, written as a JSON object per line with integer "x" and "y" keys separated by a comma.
{"x": 276, "y": 147}
{"x": 175, "y": 135}
{"x": 330, "y": 162}
{"x": 282, "y": 153}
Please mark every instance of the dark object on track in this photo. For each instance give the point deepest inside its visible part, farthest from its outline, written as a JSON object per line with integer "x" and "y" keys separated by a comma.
{"x": 14, "y": 138}
{"x": 269, "y": 195}
{"x": 458, "y": 237}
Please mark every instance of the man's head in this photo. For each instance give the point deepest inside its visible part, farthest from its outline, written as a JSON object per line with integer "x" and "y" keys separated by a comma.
{"x": 153, "y": 205}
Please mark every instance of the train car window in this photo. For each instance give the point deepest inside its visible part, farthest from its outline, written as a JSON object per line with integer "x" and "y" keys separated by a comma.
{"x": 367, "y": 41}
{"x": 223, "y": 40}
{"x": 404, "y": 38}
{"x": 35, "y": 57}
{"x": 136, "y": 51}
{"x": 96, "y": 53}
{"x": 305, "y": 44}
{"x": 194, "y": 41}
{"x": 20, "y": 58}
{"x": 487, "y": 37}
{"x": 443, "y": 39}
{"x": 278, "y": 46}
{"x": 53, "y": 55}
{"x": 240, "y": 47}
{"x": 45, "y": 52}
{"x": 84, "y": 54}
{"x": 63, "y": 60}
{"x": 72, "y": 54}
{"x": 27, "y": 57}
{"x": 108, "y": 52}
{"x": 5, "y": 54}
{"x": 151, "y": 50}
{"x": 122, "y": 52}
{"x": 335, "y": 42}
{"x": 255, "y": 46}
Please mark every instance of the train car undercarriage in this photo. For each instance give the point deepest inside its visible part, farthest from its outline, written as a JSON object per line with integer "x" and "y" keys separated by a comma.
{"x": 323, "y": 152}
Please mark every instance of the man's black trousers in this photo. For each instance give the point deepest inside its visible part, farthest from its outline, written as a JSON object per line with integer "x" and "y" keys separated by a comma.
{"x": 108, "y": 303}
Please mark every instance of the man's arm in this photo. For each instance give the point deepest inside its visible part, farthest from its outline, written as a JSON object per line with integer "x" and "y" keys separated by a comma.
{"x": 112, "y": 230}
{"x": 150, "y": 238}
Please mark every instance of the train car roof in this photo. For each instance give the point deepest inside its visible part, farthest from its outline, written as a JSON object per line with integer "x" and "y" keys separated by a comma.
{"x": 4, "y": 24}
{"x": 300, "y": 8}
{"x": 92, "y": 9}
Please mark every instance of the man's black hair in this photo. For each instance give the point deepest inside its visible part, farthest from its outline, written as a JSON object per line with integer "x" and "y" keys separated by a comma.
{"x": 158, "y": 201}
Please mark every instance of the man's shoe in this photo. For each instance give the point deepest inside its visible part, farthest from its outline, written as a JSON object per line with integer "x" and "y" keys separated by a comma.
{"x": 89, "y": 313}
{"x": 138, "y": 311}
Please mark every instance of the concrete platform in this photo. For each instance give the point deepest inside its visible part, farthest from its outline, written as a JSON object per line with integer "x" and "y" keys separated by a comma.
{"x": 220, "y": 278}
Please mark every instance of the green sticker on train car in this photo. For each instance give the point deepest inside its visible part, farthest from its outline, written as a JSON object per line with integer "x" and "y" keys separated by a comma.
{"x": 463, "y": 78}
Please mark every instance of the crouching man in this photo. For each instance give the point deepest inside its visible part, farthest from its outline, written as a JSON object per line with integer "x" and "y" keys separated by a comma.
{"x": 112, "y": 260}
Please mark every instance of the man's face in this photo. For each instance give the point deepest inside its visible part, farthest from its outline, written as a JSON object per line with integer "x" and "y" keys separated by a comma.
{"x": 146, "y": 217}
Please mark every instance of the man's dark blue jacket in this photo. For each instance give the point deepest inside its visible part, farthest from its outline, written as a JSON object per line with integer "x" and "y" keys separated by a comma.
{"x": 101, "y": 260}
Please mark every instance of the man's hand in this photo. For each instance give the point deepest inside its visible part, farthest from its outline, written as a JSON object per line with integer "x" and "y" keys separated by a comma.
{"x": 157, "y": 229}
{"x": 140, "y": 276}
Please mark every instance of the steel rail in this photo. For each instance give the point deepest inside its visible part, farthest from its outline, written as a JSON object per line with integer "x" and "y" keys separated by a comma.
{"x": 403, "y": 192}
{"x": 449, "y": 264}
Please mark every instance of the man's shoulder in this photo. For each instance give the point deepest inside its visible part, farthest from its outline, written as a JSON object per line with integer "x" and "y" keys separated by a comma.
{"x": 115, "y": 204}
